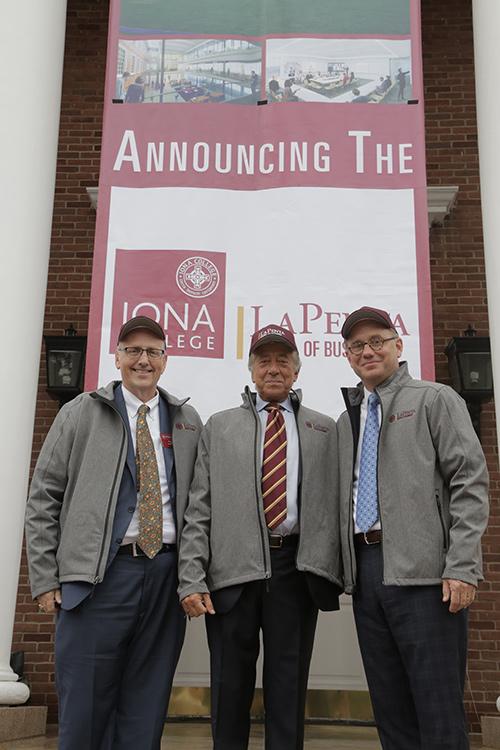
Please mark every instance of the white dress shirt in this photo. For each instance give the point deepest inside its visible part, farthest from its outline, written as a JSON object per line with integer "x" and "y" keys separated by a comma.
{"x": 291, "y": 523}
{"x": 153, "y": 421}
{"x": 362, "y": 423}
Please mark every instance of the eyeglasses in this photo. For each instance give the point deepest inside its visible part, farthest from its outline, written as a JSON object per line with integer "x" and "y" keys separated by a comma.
{"x": 134, "y": 352}
{"x": 374, "y": 342}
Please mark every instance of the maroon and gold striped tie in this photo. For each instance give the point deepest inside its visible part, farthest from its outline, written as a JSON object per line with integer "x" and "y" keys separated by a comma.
{"x": 274, "y": 467}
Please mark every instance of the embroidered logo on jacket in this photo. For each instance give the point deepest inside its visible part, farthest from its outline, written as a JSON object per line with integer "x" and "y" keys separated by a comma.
{"x": 401, "y": 415}
{"x": 318, "y": 427}
{"x": 184, "y": 426}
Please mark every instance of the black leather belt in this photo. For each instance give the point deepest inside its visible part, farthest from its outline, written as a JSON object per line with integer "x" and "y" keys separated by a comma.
{"x": 277, "y": 541}
{"x": 368, "y": 537}
{"x": 133, "y": 550}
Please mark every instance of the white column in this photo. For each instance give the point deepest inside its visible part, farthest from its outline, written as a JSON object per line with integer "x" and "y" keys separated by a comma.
{"x": 32, "y": 44}
{"x": 486, "y": 15}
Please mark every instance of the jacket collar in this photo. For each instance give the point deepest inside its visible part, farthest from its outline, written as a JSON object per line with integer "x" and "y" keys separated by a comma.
{"x": 107, "y": 393}
{"x": 354, "y": 396}
{"x": 249, "y": 397}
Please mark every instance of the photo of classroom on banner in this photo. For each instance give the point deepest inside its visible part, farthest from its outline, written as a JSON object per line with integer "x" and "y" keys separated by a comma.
{"x": 196, "y": 71}
{"x": 356, "y": 71}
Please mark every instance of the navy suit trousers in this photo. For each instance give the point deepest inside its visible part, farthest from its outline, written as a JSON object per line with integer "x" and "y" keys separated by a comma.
{"x": 116, "y": 654}
{"x": 414, "y": 653}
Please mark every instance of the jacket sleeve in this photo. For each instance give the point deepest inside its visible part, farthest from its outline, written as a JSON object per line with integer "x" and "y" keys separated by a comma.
{"x": 185, "y": 459}
{"x": 45, "y": 501}
{"x": 194, "y": 552}
{"x": 463, "y": 468}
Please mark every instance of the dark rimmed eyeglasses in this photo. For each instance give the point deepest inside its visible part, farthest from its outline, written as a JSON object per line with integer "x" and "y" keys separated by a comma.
{"x": 374, "y": 342}
{"x": 134, "y": 352}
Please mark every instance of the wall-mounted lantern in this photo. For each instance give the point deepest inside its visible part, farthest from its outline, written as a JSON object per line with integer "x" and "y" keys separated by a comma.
{"x": 65, "y": 357}
{"x": 469, "y": 365}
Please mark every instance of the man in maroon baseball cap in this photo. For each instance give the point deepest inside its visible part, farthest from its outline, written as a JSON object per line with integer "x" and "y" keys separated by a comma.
{"x": 413, "y": 504}
{"x": 104, "y": 515}
{"x": 252, "y": 556}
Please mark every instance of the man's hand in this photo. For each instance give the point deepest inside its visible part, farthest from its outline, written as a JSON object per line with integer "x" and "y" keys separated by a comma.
{"x": 49, "y": 601}
{"x": 195, "y": 605}
{"x": 458, "y": 593}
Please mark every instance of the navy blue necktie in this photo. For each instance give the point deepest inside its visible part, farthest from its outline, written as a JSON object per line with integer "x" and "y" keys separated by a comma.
{"x": 366, "y": 502}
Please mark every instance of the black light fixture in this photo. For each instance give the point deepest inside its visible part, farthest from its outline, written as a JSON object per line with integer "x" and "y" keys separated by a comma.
{"x": 65, "y": 357}
{"x": 469, "y": 365}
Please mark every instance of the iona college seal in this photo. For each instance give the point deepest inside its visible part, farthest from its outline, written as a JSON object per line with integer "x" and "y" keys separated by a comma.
{"x": 197, "y": 277}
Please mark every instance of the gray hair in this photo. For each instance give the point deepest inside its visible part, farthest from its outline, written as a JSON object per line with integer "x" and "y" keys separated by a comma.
{"x": 295, "y": 358}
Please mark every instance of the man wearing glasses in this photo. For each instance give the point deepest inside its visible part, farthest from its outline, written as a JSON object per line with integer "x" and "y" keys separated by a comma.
{"x": 104, "y": 513}
{"x": 414, "y": 504}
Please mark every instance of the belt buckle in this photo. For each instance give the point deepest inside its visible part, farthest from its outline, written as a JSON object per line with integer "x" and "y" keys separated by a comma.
{"x": 136, "y": 551}
{"x": 275, "y": 541}
{"x": 370, "y": 544}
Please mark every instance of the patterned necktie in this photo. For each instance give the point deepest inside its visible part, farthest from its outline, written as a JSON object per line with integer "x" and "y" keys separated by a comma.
{"x": 366, "y": 503}
{"x": 150, "y": 537}
{"x": 274, "y": 467}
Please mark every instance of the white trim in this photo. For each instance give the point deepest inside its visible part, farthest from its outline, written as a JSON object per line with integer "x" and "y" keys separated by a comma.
{"x": 441, "y": 200}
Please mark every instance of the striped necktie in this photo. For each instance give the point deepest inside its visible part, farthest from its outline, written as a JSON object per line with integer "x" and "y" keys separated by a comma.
{"x": 150, "y": 538}
{"x": 274, "y": 467}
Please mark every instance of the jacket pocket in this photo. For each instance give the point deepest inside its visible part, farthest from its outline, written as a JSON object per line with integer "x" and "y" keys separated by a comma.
{"x": 441, "y": 520}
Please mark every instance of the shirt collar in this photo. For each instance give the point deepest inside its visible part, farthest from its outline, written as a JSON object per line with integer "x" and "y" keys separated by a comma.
{"x": 260, "y": 404}
{"x": 133, "y": 403}
{"x": 366, "y": 396}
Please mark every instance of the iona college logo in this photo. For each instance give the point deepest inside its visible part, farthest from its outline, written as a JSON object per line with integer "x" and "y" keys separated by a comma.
{"x": 197, "y": 277}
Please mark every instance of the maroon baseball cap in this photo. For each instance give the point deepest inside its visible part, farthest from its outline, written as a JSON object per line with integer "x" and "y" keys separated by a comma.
{"x": 141, "y": 322}
{"x": 272, "y": 334}
{"x": 366, "y": 313}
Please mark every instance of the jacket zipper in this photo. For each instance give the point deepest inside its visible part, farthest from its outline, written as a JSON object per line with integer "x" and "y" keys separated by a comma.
{"x": 299, "y": 487}
{"x": 267, "y": 574}
{"x": 97, "y": 577}
{"x": 350, "y": 531}
{"x": 378, "y": 489}
{"x": 441, "y": 520}
{"x": 172, "y": 503}
{"x": 350, "y": 535}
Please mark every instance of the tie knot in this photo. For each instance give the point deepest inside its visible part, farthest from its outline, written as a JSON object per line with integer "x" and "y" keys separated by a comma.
{"x": 143, "y": 410}
{"x": 373, "y": 400}
{"x": 273, "y": 407}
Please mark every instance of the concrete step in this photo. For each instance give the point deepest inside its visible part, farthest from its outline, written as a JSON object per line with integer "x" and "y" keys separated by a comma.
{"x": 490, "y": 727}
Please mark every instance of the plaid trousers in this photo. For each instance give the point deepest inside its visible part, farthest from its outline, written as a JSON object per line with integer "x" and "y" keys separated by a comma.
{"x": 414, "y": 653}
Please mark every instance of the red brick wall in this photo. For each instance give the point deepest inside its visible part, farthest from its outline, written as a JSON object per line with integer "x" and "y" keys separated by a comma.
{"x": 457, "y": 268}
{"x": 459, "y": 286}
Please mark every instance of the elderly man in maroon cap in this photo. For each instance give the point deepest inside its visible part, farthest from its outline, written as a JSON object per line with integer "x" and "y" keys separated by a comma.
{"x": 104, "y": 513}
{"x": 260, "y": 547}
{"x": 414, "y": 503}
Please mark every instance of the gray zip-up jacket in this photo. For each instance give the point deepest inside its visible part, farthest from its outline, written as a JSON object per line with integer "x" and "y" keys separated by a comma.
{"x": 73, "y": 494}
{"x": 225, "y": 537}
{"x": 432, "y": 483}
